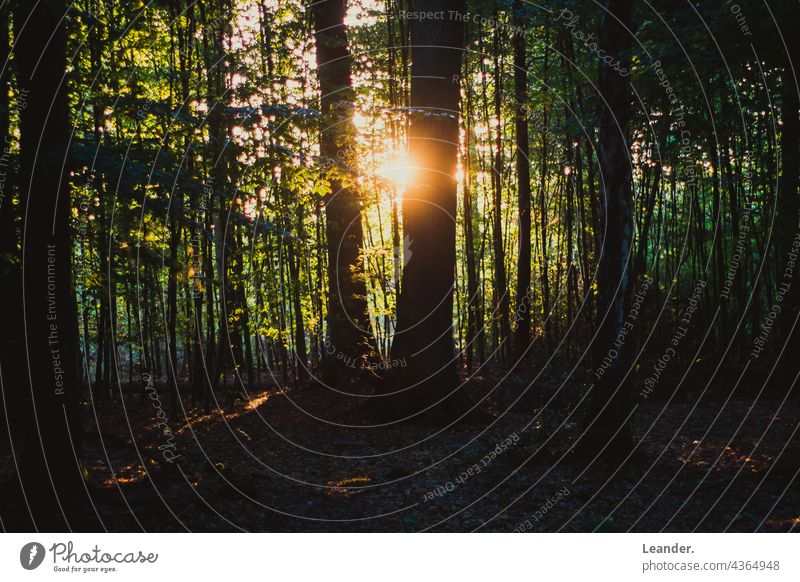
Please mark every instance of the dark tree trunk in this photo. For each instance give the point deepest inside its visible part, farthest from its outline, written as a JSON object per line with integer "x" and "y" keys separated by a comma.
{"x": 543, "y": 218}
{"x": 348, "y": 319}
{"x": 501, "y": 298}
{"x": 40, "y": 380}
{"x": 609, "y": 432}
{"x": 789, "y": 193}
{"x": 790, "y": 141}
{"x": 8, "y": 219}
{"x": 522, "y": 318}
{"x": 244, "y": 317}
{"x": 173, "y": 371}
{"x": 424, "y": 338}
{"x": 296, "y": 288}
{"x": 473, "y": 294}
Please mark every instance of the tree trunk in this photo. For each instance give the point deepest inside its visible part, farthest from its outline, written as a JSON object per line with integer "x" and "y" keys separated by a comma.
{"x": 609, "y": 432}
{"x": 473, "y": 295}
{"x": 348, "y": 316}
{"x": 297, "y": 307}
{"x": 501, "y": 299}
{"x": 423, "y": 344}
{"x": 522, "y": 318}
{"x": 39, "y": 365}
{"x": 789, "y": 194}
{"x": 545, "y": 262}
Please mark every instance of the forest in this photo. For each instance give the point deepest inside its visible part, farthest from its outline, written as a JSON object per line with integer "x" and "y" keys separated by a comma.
{"x": 399, "y": 265}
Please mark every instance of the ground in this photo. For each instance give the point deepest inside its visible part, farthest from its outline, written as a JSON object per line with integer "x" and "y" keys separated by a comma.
{"x": 298, "y": 459}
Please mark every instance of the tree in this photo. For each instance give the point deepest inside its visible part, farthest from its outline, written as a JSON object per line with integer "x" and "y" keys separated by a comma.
{"x": 522, "y": 333}
{"x": 348, "y": 318}
{"x": 788, "y": 223}
{"x": 609, "y": 430}
{"x": 424, "y": 338}
{"x": 501, "y": 292}
{"x": 39, "y": 362}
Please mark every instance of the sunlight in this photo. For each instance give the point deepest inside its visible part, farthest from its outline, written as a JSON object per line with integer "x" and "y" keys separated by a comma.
{"x": 257, "y": 401}
{"x": 400, "y": 170}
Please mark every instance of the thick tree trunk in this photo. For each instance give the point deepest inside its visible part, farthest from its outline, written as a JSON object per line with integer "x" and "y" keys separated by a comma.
{"x": 423, "y": 344}
{"x": 609, "y": 432}
{"x": 789, "y": 197}
{"x": 348, "y": 318}
{"x": 789, "y": 194}
{"x": 226, "y": 253}
{"x": 8, "y": 219}
{"x": 40, "y": 380}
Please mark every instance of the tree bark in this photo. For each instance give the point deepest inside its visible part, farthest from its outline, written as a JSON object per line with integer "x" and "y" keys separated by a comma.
{"x": 348, "y": 316}
{"x": 40, "y": 379}
{"x": 501, "y": 292}
{"x": 609, "y": 432}
{"x": 522, "y": 332}
{"x": 423, "y": 344}
{"x": 789, "y": 189}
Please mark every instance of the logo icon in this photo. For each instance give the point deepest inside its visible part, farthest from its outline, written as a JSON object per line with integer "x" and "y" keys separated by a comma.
{"x": 31, "y": 555}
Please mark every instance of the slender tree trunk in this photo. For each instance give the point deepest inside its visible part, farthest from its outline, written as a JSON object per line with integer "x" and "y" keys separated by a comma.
{"x": 296, "y": 288}
{"x": 545, "y": 261}
{"x": 522, "y": 332}
{"x": 473, "y": 295}
{"x": 173, "y": 373}
{"x": 501, "y": 298}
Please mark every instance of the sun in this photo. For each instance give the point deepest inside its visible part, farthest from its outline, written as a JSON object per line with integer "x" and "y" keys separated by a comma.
{"x": 400, "y": 170}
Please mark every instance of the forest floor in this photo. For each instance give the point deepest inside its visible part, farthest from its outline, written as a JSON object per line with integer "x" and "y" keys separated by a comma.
{"x": 295, "y": 460}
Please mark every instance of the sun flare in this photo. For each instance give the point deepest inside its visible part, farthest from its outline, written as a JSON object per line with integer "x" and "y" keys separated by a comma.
{"x": 400, "y": 170}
